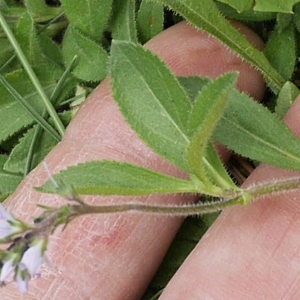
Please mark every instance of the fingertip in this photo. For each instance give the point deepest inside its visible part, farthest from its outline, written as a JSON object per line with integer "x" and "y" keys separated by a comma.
{"x": 191, "y": 52}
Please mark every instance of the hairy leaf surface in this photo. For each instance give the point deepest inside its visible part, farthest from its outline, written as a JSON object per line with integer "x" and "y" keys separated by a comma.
{"x": 92, "y": 58}
{"x": 205, "y": 15}
{"x": 88, "y": 16}
{"x": 123, "y": 21}
{"x": 115, "y": 178}
{"x": 252, "y": 130}
{"x": 152, "y": 100}
{"x": 150, "y": 20}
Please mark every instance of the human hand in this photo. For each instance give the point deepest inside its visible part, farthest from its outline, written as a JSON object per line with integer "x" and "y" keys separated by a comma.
{"x": 115, "y": 256}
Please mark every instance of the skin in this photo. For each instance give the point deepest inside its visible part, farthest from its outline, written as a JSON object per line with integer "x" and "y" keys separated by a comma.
{"x": 250, "y": 252}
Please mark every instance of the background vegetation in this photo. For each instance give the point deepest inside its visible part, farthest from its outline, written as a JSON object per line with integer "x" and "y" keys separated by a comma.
{"x": 54, "y": 53}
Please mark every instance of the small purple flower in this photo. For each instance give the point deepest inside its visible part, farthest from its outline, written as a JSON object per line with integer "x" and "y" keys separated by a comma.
{"x": 22, "y": 279}
{"x": 9, "y": 266}
{"x": 6, "y": 228}
{"x": 4, "y": 214}
{"x": 8, "y": 224}
{"x": 33, "y": 257}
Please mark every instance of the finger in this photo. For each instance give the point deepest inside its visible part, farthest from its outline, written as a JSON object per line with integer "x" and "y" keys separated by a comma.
{"x": 250, "y": 252}
{"x": 115, "y": 256}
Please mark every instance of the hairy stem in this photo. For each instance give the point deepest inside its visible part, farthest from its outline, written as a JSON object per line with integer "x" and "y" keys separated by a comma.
{"x": 247, "y": 196}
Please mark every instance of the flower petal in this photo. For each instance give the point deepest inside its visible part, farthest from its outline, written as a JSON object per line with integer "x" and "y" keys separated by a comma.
{"x": 6, "y": 229}
{"x": 22, "y": 279}
{"x": 7, "y": 269}
{"x": 4, "y": 214}
{"x": 33, "y": 258}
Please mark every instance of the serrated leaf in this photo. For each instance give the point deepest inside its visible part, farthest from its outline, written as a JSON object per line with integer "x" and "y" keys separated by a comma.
{"x": 239, "y": 5}
{"x": 253, "y": 131}
{"x": 115, "y": 178}
{"x": 150, "y": 20}
{"x": 246, "y": 16}
{"x": 27, "y": 38}
{"x": 17, "y": 158}
{"x": 282, "y": 6}
{"x": 19, "y": 118}
{"x": 88, "y": 16}
{"x": 286, "y": 98}
{"x": 151, "y": 99}
{"x": 8, "y": 181}
{"x": 29, "y": 42}
{"x": 92, "y": 59}
{"x": 123, "y": 21}
{"x": 281, "y": 51}
{"x": 40, "y": 11}
{"x": 205, "y": 15}
{"x": 207, "y": 110}
{"x": 29, "y": 108}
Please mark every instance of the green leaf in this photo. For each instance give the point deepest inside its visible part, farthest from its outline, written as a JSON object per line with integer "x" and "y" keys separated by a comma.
{"x": 151, "y": 100}
{"x": 283, "y": 6}
{"x": 281, "y": 51}
{"x": 10, "y": 107}
{"x": 253, "y": 131}
{"x": 89, "y": 16}
{"x": 27, "y": 37}
{"x": 34, "y": 79}
{"x": 17, "y": 158}
{"x": 209, "y": 105}
{"x": 40, "y": 11}
{"x": 3, "y": 5}
{"x": 193, "y": 85}
{"x": 115, "y": 178}
{"x": 286, "y": 98}
{"x": 296, "y": 16}
{"x": 92, "y": 59}
{"x": 50, "y": 50}
{"x": 208, "y": 109}
{"x": 216, "y": 171}
{"x": 6, "y": 51}
{"x": 279, "y": 6}
{"x": 150, "y": 20}
{"x": 283, "y": 20}
{"x": 123, "y": 21}
{"x": 246, "y": 16}
{"x": 29, "y": 108}
{"x": 239, "y": 5}
{"x": 205, "y": 15}
{"x": 8, "y": 181}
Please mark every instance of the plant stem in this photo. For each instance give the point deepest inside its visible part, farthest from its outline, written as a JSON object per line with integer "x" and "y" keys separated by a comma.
{"x": 38, "y": 131}
{"x": 58, "y": 123}
{"x": 247, "y": 196}
{"x": 170, "y": 210}
{"x": 275, "y": 187}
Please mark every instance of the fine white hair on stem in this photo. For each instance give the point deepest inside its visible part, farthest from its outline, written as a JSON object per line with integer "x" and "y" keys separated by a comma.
{"x": 49, "y": 174}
